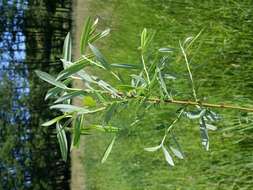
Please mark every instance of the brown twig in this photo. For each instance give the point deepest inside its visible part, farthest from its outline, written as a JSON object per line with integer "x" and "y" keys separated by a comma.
{"x": 179, "y": 102}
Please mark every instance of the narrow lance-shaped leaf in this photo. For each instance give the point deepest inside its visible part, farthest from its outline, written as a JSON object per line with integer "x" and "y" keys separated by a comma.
{"x": 176, "y": 152}
{"x": 138, "y": 79}
{"x": 146, "y": 38}
{"x": 54, "y": 92}
{"x": 70, "y": 96}
{"x": 71, "y": 108}
{"x": 212, "y": 116}
{"x": 108, "y": 88}
{"x": 77, "y": 124}
{"x": 143, "y": 38}
{"x": 153, "y": 149}
{"x": 187, "y": 40}
{"x": 103, "y": 128}
{"x": 108, "y": 150}
{"x": 204, "y": 133}
{"x": 67, "y": 47}
{"x": 109, "y": 112}
{"x": 50, "y": 79}
{"x": 211, "y": 127}
{"x": 99, "y": 35}
{"x": 93, "y": 27}
{"x": 162, "y": 83}
{"x": 74, "y": 68}
{"x": 56, "y": 119}
{"x": 100, "y": 97}
{"x": 99, "y": 57}
{"x": 85, "y": 35}
{"x": 167, "y": 156}
{"x": 195, "y": 114}
{"x": 166, "y": 50}
{"x": 169, "y": 76}
{"x": 68, "y": 108}
{"x": 85, "y": 76}
{"x": 125, "y": 66}
{"x": 61, "y": 136}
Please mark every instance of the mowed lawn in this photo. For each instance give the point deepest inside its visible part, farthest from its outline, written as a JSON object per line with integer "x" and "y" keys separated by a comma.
{"x": 222, "y": 67}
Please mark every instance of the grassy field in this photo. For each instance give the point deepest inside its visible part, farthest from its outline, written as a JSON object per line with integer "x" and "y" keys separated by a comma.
{"x": 222, "y": 65}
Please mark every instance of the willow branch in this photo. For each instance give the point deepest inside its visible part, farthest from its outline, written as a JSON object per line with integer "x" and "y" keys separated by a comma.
{"x": 203, "y": 104}
{"x": 173, "y": 101}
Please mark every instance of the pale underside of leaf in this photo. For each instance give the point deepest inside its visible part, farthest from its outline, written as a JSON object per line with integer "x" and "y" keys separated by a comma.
{"x": 204, "y": 133}
{"x": 56, "y": 119}
{"x": 176, "y": 152}
{"x": 152, "y": 149}
{"x": 167, "y": 156}
{"x": 108, "y": 150}
{"x": 67, "y": 48}
{"x": 50, "y": 79}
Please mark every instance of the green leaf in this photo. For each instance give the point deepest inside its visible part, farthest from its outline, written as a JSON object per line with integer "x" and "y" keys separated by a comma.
{"x": 53, "y": 92}
{"x": 71, "y": 108}
{"x": 170, "y": 77}
{"x": 70, "y": 96}
{"x": 212, "y": 116}
{"x": 50, "y": 79}
{"x": 66, "y": 63}
{"x": 188, "y": 40}
{"x": 162, "y": 83}
{"x": 108, "y": 150}
{"x": 89, "y": 101}
{"x": 85, "y": 35}
{"x": 93, "y": 27}
{"x": 77, "y": 124}
{"x": 177, "y": 152}
{"x": 99, "y": 57}
{"x": 167, "y": 156}
{"x": 110, "y": 111}
{"x": 196, "y": 114}
{"x": 125, "y": 66}
{"x": 166, "y": 50}
{"x": 85, "y": 76}
{"x": 204, "y": 133}
{"x": 138, "y": 79}
{"x": 126, "y": 87}
{"x": 67, "y": 47}
{"x": 105, "y": 33}
{"x": 143, "y": 38}
{"x": 74, "y": 68}
{"x": 152, "y": 149}
{"x": 211, "y": 127}
{"x": 61, "y": 136}
{"x": 56, "y": 119}
{"x": 103, "y": 128}
{"x": 108, "y": 88}
{"x": 100, "y": 97}
{"x": 99, "y": 35}
{"x": 146, "y": 39}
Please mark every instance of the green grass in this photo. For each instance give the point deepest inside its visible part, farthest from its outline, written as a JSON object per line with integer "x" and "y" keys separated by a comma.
{"x": 222, "y": 68}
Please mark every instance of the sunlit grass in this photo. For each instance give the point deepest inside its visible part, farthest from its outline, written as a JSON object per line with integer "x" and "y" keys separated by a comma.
{"x": 222, "y": 68}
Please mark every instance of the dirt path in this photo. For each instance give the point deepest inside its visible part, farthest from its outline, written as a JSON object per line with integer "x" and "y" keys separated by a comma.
{"x": 80, "y": 10}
